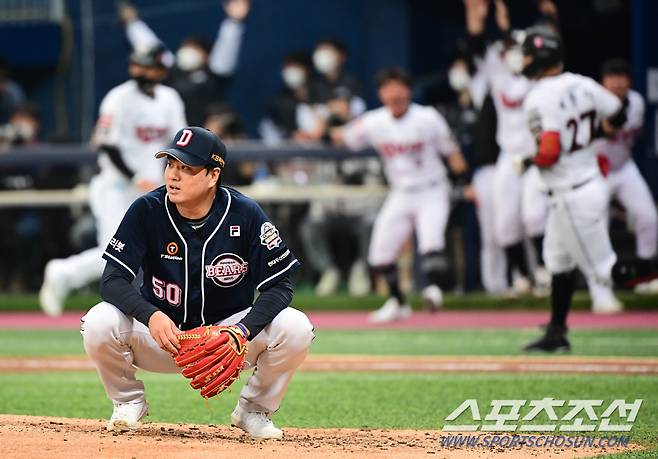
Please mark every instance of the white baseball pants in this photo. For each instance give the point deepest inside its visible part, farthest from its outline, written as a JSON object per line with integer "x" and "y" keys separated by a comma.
{"x": 519, "y": 203}
{"x": 629, "y": 187}
{"x": 109, "y": 199}
{"x": 424, "y": 210}
{"x": 493, "y": 265}
{"x": 577, "y": 232}
{"x": 119, "y": 345}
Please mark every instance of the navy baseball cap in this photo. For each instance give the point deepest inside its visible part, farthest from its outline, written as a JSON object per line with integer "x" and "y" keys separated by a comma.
{"x": 196, "y": 146}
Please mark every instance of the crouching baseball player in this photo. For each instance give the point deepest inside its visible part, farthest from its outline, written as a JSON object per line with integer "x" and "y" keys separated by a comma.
{"x": 564, "y": 111}
{"x": 203, "y": 249}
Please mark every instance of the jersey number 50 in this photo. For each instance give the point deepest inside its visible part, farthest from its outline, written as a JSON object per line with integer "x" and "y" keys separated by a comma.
{"x": 171, "y": 292}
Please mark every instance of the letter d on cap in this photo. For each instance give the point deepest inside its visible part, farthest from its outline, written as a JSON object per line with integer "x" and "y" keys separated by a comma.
{"x": 185, "y": 138}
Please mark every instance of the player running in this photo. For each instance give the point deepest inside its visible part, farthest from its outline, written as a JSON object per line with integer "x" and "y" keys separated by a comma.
{"x": 411, "y": 140}
{"x": 564, "y": 111}
{"x": 624, "y": 179}
{"x": 136, "y": 118}
{"x": 204, "y": 250}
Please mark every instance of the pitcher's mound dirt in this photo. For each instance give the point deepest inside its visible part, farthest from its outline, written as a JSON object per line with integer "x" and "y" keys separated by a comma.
{"x": 47, "y": 437}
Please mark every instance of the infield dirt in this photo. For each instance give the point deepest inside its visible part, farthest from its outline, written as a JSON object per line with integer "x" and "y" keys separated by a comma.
{"x": 39, "y": 437}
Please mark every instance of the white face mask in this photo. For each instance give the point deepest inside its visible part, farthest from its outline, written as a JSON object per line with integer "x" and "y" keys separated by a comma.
{"x": 188, "y": 58}
{"x": 293, "y": 77}
{"x": 458, "y": 78}
{"x": 325, "y": 61}
{"x": 514, "y": 59}
{"x": 25, "y": 132}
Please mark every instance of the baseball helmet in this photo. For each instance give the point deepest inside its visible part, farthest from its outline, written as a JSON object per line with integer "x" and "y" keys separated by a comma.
{"x": 154, "y": 56}
{"x": 544, "y": 46}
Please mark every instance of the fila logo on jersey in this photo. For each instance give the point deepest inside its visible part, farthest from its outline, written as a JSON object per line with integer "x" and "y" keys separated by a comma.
{"x": 185, "y": 138}
{"x": 227, "y": 270}
{"x": 269, "y": 236}
{"x": 234, "y": 231}
{"x": 172, "y": 250}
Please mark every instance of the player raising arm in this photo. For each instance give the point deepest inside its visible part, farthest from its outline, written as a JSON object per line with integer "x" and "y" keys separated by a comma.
{"x": 204, "y": 249}
{"x": 564, "y": 111}
{"x": 135, "y": 118}
{"x": 411, "y": 139}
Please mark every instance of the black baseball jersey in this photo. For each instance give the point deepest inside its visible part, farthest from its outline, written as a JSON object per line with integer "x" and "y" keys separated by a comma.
{"x": 200, "y": 276}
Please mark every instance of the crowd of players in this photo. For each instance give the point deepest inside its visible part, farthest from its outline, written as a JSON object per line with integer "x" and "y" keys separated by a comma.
{"x": 321, "y": 102}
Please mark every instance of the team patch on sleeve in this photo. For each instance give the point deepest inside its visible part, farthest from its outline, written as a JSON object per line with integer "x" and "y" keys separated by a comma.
{"x": 269, "y": 236}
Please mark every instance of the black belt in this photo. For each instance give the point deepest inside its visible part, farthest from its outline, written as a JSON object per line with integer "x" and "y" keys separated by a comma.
{"x": 573, "y": 187}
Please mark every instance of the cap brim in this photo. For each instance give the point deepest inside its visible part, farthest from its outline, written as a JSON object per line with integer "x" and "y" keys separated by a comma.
{"x": 182, "y": 156}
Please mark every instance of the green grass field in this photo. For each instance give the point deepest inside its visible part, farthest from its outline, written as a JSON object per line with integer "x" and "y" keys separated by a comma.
{"x": 346, "y": 399}
{"x": 305, "y": 299}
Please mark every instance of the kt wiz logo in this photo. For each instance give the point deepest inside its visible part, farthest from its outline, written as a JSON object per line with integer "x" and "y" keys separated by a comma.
{"x": 227, "y": 270}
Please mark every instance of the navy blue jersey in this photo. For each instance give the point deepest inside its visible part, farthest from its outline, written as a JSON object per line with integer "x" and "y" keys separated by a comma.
{"x": 200, "y": 276}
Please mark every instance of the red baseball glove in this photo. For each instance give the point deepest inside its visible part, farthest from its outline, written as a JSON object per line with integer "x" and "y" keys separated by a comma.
{"x": 212, "y": 357}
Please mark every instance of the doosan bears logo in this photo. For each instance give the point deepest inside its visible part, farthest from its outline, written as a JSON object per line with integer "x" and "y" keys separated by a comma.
{"x": 227, "y": 270}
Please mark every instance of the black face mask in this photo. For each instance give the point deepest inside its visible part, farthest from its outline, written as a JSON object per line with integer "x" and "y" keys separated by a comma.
{"x": 145, "y": 85}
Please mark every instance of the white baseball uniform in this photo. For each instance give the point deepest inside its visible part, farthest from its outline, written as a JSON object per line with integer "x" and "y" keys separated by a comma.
{"x": 576, "y": 231}
{"x": 138, "y": 125}
{"x": 519, "y": 203}
{"x": 625, "y": 181}
{"x": 411, "y": 148}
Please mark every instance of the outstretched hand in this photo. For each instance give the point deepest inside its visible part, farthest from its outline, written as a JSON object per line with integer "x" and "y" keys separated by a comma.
{"x": 476, "y": 15}
{"x": 237, "y": 9}
{"x": 127, "y": 12}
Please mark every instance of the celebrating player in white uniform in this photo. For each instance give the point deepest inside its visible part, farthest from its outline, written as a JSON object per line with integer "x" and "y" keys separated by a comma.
{"x": 411, "y": 140}
{"x": 136, "y": 118}
{"x": 519, "y": 204}
{"x": 624, "y": 179}
{"x": 564, "y": 111}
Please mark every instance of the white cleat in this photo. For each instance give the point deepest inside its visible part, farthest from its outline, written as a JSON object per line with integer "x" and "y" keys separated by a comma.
{"x": 521, "y": 286}
{"x": 543, "y": 278}
{"x": 647, "y": 288}
{"x": 126, "y": 416}
{"x": 256, "y": 423}
{"x": 391, "y": 311}
{"x": 432, "y": 298}
{"x": 358, "y": 283}
{"x": 53, "y": 291}
{"x": 614, "y": 306}
{"x": 328, "y": 283}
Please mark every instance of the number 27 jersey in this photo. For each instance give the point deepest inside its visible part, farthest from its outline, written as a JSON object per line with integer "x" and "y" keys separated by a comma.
{"x": 573, "y": 106}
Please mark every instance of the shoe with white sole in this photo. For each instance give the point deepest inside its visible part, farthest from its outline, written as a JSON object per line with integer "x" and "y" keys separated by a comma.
{"x": 256, "y": 423}
{"x": 542, "y": 287}
{"x": 358, "y": 283}
{"x": 126, "y": 416}
{"x": 391, "y": 311}
{"x": 328, "y": 283}
{"x": 614, "y": 306}
{"x": 432, "y": 298}
{"x": 53, "y": 291}
{"x": 647, "y": 288}
{"x": 604, "y": 300}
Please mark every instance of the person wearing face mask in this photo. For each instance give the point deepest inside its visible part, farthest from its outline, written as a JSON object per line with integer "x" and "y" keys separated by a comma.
{"x": 135, "y": 119}
{"x": 290, "y": 114}
{"x": 520, "y": 206}
{"x": 202, "y": 70}
{"x": 329, "y": 59}
{"x": 473, "y": 118}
